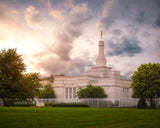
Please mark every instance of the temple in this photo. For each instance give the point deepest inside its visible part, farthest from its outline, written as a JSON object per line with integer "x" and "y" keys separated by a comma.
{"x": 66, "y": 87}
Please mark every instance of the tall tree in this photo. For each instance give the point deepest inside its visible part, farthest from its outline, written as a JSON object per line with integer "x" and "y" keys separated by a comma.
{"x": 11, "y": 68}
{"x": 91, "y": 92}
{"x": 146, "y": 82}
{"x": 13, "y": 83}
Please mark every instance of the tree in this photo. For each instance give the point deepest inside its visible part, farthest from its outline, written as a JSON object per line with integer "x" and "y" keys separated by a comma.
{"x": 14, "y": 84}
{"x": 142, "y": 103}
{"x": 47, "y": 92}
{"x": 11, "y": 68}
{"x": 91, "y": 92}
{"x": 146, "y": 82}
{"x": 27, "y": 87}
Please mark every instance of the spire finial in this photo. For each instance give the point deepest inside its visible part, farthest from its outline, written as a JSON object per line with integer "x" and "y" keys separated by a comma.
{"x": 101, "y": 34}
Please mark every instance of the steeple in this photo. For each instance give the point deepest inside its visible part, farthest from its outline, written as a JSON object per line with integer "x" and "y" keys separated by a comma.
{"x": 101, "y": 61}
{"x": 101, "y": 34}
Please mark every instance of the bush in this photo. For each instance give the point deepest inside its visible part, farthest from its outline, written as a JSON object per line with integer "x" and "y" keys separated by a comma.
{"x": 91, "y": 92}
{"x": 142, "y": 103}
{"x": 47, "y": 92}
{"x": 48, "y": 104}
{"x": 23, "y": 105}
{"x": 65, "y": 105}
{"x": 9, "y": 102}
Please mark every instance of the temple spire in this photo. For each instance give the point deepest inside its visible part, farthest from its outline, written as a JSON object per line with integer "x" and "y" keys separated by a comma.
{"x": 101, "y": 34}
{"x": 101, "y": 61}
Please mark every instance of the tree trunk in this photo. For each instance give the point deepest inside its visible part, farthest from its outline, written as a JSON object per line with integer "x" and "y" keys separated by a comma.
{"x": 4, "y": 101}
{"x": 152, "y": 104}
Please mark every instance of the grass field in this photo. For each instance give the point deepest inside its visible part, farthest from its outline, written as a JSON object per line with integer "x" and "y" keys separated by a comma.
{"x": 48, "y": 117}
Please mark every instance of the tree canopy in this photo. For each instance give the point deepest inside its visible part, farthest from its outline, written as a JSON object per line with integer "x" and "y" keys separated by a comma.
{"x": 28, "y": 86}
{"x": 91, "y": 92}
{"x": 47, "y": 92}
{"x": 146, "y": 82}
{"x": 14, "y": 84}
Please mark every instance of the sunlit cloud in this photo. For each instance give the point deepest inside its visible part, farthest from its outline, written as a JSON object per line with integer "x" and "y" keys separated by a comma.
{"x": 33, "y": 17}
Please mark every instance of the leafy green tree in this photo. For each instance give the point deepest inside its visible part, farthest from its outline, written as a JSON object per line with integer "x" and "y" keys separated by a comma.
{"x": 146, "y": 82}
{"x": 47, "y": 92}
{"x": 13, "y": 83}
{"x": 11, "y": 68}
{"x": 91, "y": 92}
{"x": 27, "y": 87}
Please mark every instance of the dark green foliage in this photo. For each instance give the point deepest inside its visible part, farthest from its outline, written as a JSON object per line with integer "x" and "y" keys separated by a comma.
{"x": 13, "y": 102}
{"x": 28, "y": 86}
{"x": 14, "y": 84}
{"x": 24, "y": 105}
{"x": 47, "y": 92}
{"x": 48, "y": 104}
{"x": 9, "y": 102}
{"x": 65, "y": 105}
{"x": 11, "y": 68}
{"x": 142, "y": 103}
{"x": 146, "y": 82}
{"x": 91, "y": 92}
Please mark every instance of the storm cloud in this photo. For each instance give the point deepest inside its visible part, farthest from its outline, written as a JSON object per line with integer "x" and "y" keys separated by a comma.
{"x": 142, "y": 12}
{"x": 125, "y": 47}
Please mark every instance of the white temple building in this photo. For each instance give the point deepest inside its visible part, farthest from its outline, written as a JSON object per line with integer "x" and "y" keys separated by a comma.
{"x": 66, "y": 87}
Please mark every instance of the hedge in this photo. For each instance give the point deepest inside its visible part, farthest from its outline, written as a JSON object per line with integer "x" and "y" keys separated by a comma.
{"x": 24, "y": 105}
{"x": 65, "y": 105}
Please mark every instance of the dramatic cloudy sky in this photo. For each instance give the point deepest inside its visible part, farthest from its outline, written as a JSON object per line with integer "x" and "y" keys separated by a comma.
{"x": 61, "y": 36}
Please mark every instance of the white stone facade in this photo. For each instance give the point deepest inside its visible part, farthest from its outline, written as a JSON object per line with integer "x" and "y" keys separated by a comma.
{"x": 66, "y": 87}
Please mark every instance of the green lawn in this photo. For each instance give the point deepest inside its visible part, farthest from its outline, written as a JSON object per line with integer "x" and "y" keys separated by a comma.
{"x": 31, "y": 117}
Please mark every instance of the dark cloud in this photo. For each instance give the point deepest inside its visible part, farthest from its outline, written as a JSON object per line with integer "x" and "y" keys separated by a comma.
{"x": 157, "y": 22}
{"x": 156, "y": 50}
{"x": 80, "y": 13}
{"x": 146, "y": 34}
{"x": 125, "y": 46}
{"x": 116, "y": 31}
{"x": 35, "y": 18}
{"x": 114, "y": 10}
{"x": 63, "y": 45}
{"x": 74, "y": 31}
{"x": 80, "y": 19}
{"x": 52, "y": 65}
{"x": 134, "y": 11}
{"x": 5, "y": 13}
{"x": 141, "y": 17}
{"x": 64, "y": 41}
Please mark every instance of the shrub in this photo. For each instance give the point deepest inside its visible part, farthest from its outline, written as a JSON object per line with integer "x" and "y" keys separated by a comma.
{"x": 9, "y": 102}
{"x": 48, "y": 104}
{"x": 47, "y": 92}
{"x": 142, "y": 103}
{"x": 23, "y": 105}
{"x": 65, "y": 105}
{"x": 91, "y": 92}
